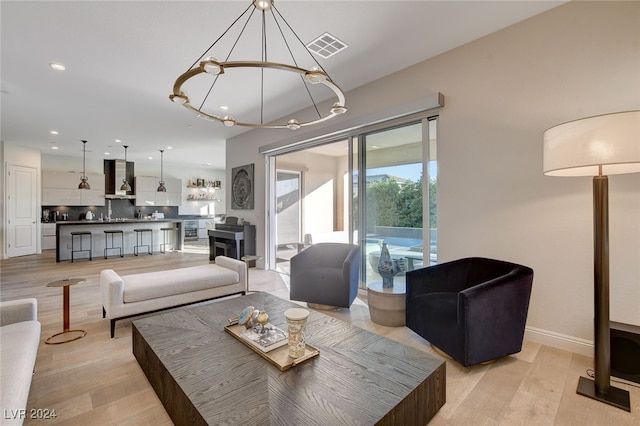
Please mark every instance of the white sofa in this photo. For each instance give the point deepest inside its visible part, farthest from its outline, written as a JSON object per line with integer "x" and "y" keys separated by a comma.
{"x": 19, "y": 341}
{"x": 131, "y": 295}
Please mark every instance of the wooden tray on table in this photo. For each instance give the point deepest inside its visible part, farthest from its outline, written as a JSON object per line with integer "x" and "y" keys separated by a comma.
{"x": 279, "y": 356}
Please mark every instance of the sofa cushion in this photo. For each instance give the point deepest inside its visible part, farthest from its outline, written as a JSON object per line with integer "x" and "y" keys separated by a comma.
{"x": 146, "y": 286}
{"x": 18, "y": 350}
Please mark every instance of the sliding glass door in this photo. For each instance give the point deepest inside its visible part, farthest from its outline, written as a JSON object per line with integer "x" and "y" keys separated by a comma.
{"x": 392, "y": 205}
{"x": 374, "y": 187}
{"x": 311, "y": 202}
{"x": 288, "y": 209}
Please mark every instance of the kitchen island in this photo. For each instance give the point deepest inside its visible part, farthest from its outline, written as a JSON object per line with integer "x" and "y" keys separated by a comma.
{"x": 97, "y": 228}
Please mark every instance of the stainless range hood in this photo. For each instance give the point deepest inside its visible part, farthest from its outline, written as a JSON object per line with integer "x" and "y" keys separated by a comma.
{"x": 115, "y": 172}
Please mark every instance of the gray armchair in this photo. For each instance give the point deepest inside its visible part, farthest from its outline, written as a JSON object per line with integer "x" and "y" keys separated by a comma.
{"x": 326, "y": 274}
{"x": 473, "y": 309}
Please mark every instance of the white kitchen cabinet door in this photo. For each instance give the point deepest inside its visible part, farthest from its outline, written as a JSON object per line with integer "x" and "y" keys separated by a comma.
{"x": 146, "y": 198}
{"x": 173, "y": 196}
{"x": 61, "y": 197}
{"x": 95, "y": 195}
{"x": 61, "y": 189}
{"x": 147, "y": 191}
{"x": 48, "y": 236}
{"x": 62, "y": 180}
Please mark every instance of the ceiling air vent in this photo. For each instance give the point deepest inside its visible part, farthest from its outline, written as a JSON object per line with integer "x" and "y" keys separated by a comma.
{"x": 326, "y": 45}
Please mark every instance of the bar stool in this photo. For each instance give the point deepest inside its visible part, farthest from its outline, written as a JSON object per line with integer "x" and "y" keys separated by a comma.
{"x": 80, "y": 234}
{"x": 165, "y": 232}
{"x": 106, "y": 241}
{"x": 139, "y": 239}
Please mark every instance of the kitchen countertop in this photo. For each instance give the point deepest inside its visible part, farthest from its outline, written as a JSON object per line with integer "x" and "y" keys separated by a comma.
{"x": 113, "y": 221}
{"x": 64, "y": 239}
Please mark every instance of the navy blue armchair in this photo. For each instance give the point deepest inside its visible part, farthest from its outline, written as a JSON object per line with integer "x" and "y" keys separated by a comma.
{"x": 326, "y": 274}
{"x": 472, "y": 309}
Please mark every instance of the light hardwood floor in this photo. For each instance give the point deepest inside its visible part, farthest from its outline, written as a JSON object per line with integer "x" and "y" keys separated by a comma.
{"x": 97, "y": 381}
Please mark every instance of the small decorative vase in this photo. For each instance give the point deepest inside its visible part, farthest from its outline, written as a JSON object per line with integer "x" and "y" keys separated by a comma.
{"x": 296, "y": 324}
{"x": 387, "y": 268}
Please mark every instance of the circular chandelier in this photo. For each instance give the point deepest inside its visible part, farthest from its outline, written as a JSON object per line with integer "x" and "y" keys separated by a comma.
{"x": 210, "y": 65}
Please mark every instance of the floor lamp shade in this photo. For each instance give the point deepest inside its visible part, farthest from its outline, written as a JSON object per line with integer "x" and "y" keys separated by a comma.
{"x": 597, "y": 146}
{"x": 581, "y": 147}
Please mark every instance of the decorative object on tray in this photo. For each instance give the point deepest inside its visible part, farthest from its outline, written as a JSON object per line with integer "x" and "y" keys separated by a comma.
{"x": 252, "y": 328}
{"x": 258, "y": 331}
{"x": 297, "y": 322}
{"x": 388, "y": 267}
{"x": 265, "y": 337}
{"x": 279, "y": 356}
{"x": 251, "y": 317}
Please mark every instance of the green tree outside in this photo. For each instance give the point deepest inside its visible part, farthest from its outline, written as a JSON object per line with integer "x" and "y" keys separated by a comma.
{"x": 392, "y": 204}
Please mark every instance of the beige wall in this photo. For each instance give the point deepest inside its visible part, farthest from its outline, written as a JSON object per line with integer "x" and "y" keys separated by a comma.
{"x": 502, "y": 92}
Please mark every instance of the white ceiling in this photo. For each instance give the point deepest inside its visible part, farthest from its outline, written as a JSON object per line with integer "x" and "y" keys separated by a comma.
{"x": 122, "y": 58}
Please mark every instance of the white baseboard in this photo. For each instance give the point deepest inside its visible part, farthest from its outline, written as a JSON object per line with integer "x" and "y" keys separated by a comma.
{"x": 559, "y": 341}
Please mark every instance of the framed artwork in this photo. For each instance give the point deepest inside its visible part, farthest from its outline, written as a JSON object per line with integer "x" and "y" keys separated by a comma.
{"x": 242, "y": 187}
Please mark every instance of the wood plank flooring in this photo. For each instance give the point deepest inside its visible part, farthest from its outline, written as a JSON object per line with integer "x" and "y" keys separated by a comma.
{"x": 97, "y": 381}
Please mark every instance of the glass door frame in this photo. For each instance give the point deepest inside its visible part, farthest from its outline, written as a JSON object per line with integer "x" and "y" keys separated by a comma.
{"x": 362, "y": 182}
{"x": 353, "y": 136}
{"x": 270, "y": 191}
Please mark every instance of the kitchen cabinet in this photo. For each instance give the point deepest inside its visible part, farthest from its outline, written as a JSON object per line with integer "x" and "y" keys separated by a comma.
{"x": 48, "y": 236}
{"x": 202, "y": 228}
{"x": 61, "y": 189}
{"x": 147, "y": 195}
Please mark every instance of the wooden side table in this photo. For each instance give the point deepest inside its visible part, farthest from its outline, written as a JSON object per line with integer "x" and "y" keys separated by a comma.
{"x": 387, "y": 306}
{"x": 248, "y": 259}
{"x": 66, "y": 335}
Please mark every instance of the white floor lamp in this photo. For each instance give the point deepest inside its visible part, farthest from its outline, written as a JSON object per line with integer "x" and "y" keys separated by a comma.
{"x": 597, "y": 146}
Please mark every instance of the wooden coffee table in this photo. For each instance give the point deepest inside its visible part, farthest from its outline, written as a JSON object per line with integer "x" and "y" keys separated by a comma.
{"x": 203, "y": 375}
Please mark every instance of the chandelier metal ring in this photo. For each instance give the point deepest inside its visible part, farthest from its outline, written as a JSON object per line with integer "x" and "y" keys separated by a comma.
{"x": 310, "y": 76}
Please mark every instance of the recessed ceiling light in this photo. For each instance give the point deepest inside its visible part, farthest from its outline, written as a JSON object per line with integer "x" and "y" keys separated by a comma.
{"x": 117, "y": 141}
{"x": 169, "y": 147}
{"x": 57, "y": 67}
{"x": 107, "y": 153}
{"x": 150, "y": 158}
{"x": 54, "y": 132}
{"x": 224, "y": 107}
{"x": 54, "y": 147}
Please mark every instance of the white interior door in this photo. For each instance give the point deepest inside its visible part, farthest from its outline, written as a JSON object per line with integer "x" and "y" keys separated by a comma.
{"x": 22, "y": 223}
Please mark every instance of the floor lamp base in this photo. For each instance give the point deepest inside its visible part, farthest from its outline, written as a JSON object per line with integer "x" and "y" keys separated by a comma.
{"x": 617, "y": 397}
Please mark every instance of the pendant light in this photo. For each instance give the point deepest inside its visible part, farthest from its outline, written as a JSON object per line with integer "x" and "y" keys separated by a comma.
{"x": 161, "y": 187}
{"x": 125, "y": 185}
{"x": 84, "y": 184}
